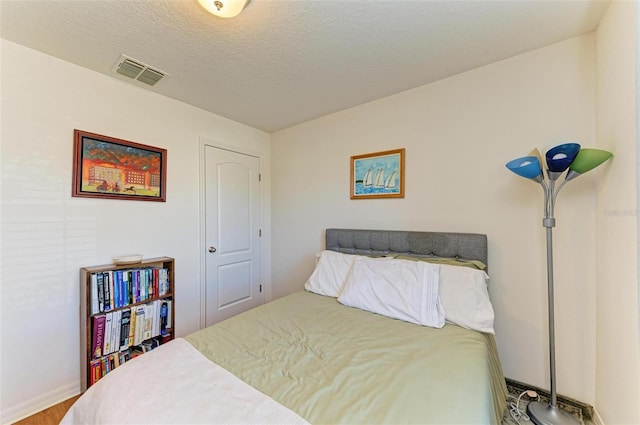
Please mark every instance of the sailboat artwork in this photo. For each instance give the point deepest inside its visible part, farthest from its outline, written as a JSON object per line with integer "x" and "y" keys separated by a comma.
{"x": 378, "y": 175}
{"x": 368, "y": 178}
{"x": 391, "y": 181}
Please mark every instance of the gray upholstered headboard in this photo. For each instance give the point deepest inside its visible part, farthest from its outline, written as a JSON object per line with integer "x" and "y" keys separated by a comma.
{"x": 466, "y": 246}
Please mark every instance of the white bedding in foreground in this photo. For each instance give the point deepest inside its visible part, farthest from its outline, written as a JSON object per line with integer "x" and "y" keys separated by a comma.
{"x": 175, "y": 384}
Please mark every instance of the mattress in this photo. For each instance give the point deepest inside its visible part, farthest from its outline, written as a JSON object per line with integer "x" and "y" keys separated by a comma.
{"x": 333, "y": 364}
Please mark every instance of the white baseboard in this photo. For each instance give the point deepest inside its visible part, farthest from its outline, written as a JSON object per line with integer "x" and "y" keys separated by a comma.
{"x": 36, "y": 404}
{"x": 597, "y": 419}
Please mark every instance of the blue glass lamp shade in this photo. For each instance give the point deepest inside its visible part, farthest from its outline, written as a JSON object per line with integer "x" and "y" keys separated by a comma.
{"x": 527, "y": 167}
{"x": 560, "y": 157}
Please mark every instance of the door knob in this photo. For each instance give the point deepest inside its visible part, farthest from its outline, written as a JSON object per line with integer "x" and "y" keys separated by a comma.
{"x": 212, "y": 249}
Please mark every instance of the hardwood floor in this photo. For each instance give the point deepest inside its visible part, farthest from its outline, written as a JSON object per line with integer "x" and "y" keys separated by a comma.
{"x": 50, "y": 416}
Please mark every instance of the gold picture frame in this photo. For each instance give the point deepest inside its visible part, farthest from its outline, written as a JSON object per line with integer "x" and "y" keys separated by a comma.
{"x": 378, "y": 175}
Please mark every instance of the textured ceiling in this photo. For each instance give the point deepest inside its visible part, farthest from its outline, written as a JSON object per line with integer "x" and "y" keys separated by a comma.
{"x": 283, "y": 62}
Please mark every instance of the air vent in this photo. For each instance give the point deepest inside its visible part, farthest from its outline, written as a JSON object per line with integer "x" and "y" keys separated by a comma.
{"x": 139, "y": 71}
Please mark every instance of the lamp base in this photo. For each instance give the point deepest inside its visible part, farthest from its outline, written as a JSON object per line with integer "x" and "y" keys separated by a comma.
{"x": 546, "y": 414}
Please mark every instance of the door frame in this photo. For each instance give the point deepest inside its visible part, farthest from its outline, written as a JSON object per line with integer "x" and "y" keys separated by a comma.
{"x": 264, "y": 244}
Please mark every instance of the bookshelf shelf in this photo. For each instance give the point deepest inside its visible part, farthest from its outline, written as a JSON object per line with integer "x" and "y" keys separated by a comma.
{"x": 125, "y": 311}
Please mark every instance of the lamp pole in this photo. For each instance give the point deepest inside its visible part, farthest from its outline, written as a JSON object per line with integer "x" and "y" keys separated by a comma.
{"x": 539, "y": 412}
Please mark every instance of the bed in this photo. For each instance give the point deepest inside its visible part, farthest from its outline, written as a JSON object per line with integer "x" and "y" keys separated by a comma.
{"x": 318, "y": 356}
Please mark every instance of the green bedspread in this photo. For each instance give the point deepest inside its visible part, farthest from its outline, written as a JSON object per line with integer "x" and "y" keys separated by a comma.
{"x": 333, "y": 364}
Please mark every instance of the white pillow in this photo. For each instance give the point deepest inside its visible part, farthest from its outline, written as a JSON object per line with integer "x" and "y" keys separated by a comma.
{"x": 330, "y": 273}
{"x": 464, "y": 294}
{"x": 401, "y": 289}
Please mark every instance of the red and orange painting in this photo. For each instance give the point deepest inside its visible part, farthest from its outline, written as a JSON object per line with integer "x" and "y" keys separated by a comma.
{"x": 117, "y": 169}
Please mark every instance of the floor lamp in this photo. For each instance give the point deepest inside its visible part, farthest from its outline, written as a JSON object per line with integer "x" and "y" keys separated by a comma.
{"x": 559, "y": 159}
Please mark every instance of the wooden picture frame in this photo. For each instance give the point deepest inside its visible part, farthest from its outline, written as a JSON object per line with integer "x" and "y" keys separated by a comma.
{"x": 378, "y": 175}
{"x": 106, "y": 167}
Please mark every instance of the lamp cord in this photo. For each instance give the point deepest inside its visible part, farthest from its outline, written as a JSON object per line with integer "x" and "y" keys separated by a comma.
{"x": 515, "y": 411}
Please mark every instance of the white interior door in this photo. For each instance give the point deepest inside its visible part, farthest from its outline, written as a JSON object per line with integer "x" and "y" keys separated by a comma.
{"x": 232, "y": 233}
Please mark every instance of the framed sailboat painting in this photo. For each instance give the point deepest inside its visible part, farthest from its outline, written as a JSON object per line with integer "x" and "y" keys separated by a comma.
{"x": 378, "y": 175}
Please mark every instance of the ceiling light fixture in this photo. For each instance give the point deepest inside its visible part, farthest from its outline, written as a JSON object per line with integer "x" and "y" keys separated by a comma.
{"x": 224, "y": 8}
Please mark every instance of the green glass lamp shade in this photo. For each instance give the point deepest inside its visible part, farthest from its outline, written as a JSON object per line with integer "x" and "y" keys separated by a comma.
{"x": 586, "y": 160}
{"x": 527, "y": 166}
{"x": 560, "y": 157}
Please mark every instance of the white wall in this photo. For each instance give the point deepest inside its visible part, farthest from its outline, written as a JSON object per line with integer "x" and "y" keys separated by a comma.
{"x": 618, "y": 310}
{"x": 47, "y": 235}
{"x": 458, "y": 134}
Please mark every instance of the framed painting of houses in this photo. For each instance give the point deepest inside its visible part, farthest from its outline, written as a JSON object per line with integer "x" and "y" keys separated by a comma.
{"x": 106, "y": 167}
{"x": 378, "y": 175}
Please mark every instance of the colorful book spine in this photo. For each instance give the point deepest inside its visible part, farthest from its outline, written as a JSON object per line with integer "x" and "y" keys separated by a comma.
{"x": 147, "y": 283}
{"x": 106, "y": 346}
{"x": 169, "y": 313}
{"x": 143, "y": 284}
{"x": 115, "y": 330}
{"x": 100, "y": 283}
{"x": 117, "y": 282}
{"x": 109, "y": 279}
{"x": 155, "y": 288}
{"x": 126, "y": 287}
{"x": 107, "y": 292}
{"x": 138, "y": 333}
{"x": 95, "y": 371}
{"x": 132, "y": 326}
{"x": 93, "y": 294}
{"x": 135, "y": 290}
{"x": 148, "y": 321}
{"x": 163, "y": 318}
{"x": 98, "y": 335}
{"x": 125, "y": 323}
{"x": 168, "y": 281}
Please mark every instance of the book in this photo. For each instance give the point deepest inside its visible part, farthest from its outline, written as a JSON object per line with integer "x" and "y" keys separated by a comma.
{"x": 155, "y": 288}
{"x": 111, "y": 362}
{"x": 93, "y": 293}
{"x": 146, "y": 346}
{"x": 124, "y": 356}
{"x": 126, "y": 287}
{"x": 135, "y": 352}
{"x": 169, "y": 314}
{"x": 125, "y": 322}
{"x": 147, "y": 283}
{"x": 137, "y": 339}
{"x": 135, "y": 286}
{"x": 148, "y": 321}
{"x": 106, "y": 346}
{"x": 143, "y": 284}
{"x": 155, "y": 327}
{"x": 100, "y": 283}
{"x": 104, "y": 366}
{"x": 115, "y": 330}
{"x": 108, "y": 281}
{"x": 163, "y": 318}
{"x": 168, "y": 281}
{"x": 117, "y": 282}
{"x": 98, "y": 335}
{"x": 132, "y": 326}
{"x": 107, "y": 292}
{"x": 95, "y": 372}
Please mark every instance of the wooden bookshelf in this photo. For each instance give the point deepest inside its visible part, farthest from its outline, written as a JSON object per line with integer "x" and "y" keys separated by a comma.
{"x": 143, "y": 294}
